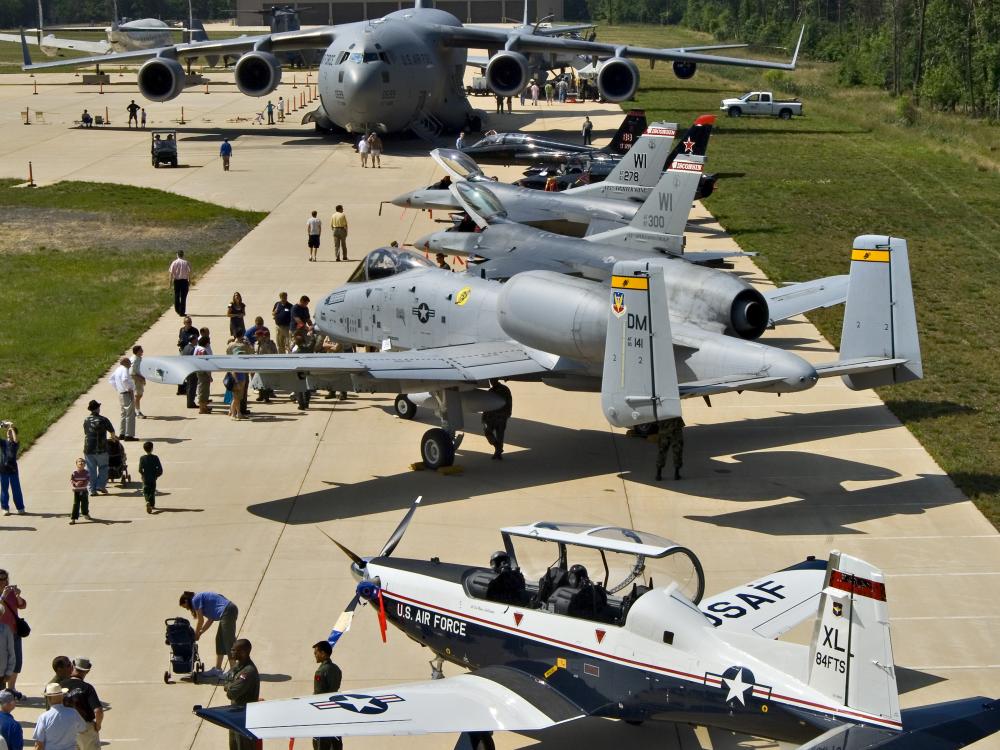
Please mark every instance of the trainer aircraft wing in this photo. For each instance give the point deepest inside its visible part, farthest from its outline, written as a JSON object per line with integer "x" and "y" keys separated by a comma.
{"x": 769, "y": 606}
{"x": 283, "y": 41}
{"x": 480, "y": 38}
{"x": 470, "y": 363}
{"x": 490, "y": 699}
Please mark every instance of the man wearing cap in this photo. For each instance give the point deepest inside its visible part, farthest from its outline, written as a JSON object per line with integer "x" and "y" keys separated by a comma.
{"x": 57, "y": 728}
{"x": 84, "y": 700}
{"x": 10, "y": 729}
{"x": 242, "y": 687}
{"x": 95, "y": 447}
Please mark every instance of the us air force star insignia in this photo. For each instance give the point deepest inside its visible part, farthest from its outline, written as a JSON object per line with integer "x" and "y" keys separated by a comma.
{"x": 689, "y": 146}
{"x": 738, "y": 688}
{"x": 423, "y": 312}
{"x": 359, "y": 704}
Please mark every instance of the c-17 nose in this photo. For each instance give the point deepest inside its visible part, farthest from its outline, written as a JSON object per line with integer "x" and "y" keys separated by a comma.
{"x": 363, "y": 90}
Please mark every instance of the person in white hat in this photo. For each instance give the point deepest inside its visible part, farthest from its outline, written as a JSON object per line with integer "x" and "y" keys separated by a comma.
{"x": 58, "y": 727}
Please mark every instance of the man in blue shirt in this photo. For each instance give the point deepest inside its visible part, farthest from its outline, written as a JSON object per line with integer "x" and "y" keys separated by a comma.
{"x": 208, "y": 607}
{"x": 58, "y": 727}
{"x": 10, "y": 482}
{"x": 226, "y": 152}
{"x": 10, "y": 730}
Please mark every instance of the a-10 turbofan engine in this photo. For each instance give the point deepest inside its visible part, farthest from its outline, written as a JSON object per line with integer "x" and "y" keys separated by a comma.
{"x": 538, "y": 308}
{"x": 507, "y": 73}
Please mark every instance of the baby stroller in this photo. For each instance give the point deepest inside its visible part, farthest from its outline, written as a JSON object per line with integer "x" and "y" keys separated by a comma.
{"x": 118, "y": 463}
{"x": 184, "y": 657}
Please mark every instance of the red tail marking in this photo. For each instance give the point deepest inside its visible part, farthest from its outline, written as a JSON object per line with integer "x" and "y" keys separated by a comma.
{"x": 857, "y": 585}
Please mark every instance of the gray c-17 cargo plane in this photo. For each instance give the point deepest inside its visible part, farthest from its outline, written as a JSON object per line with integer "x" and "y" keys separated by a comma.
{"x": 401, "y": 72}
{"x": 641, "y": 343}
{"x": 611, "y": 642}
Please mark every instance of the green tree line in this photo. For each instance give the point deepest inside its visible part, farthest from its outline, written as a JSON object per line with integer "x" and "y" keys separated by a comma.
{"x": 942, "y": 53}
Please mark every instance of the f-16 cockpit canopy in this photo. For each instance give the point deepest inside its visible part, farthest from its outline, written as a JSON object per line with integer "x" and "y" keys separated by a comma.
{"x": 458, "y": 165}
{"x": 479, "y": 202}
{"x": 387, "y": 261}
{"x": 675, "y": 561}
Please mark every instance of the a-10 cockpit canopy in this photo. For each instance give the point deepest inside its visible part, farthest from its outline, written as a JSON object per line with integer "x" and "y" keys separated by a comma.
{"x": 387, "y": 261}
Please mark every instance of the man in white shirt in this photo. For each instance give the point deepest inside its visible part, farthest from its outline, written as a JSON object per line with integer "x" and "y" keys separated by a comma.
{"x": 122, "y": 381}
{"x": 57, "y": 728}
{"x": 313, "y": 228}
{"x": 180, "y": 279}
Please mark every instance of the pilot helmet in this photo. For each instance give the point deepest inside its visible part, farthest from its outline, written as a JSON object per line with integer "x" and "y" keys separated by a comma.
{"x": 499, "y": 560}
{"x": 577, "y": 576}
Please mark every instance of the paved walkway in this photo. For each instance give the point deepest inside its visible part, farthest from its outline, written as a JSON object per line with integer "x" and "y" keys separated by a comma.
{"x": 767, "y": 480}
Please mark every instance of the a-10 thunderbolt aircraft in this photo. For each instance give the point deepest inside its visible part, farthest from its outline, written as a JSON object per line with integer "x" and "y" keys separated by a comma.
{"x": 401, "y": 72}
{"x": 613, "y": 642}
{"x": 581, "y": 210}
{"x": 643, "y": 344}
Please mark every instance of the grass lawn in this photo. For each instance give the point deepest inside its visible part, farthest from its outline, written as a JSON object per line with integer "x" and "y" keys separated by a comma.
{"x": 798, "y": 192}
{"x": 65, "y": 309}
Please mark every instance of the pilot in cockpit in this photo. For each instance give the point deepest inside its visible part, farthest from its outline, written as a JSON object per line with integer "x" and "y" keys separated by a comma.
{"x": 578, "y": 578}
{"x": 507, "y": 584}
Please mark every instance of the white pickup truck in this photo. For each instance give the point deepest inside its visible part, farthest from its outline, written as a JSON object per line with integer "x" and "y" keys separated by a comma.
{"x": 761, "y": 103}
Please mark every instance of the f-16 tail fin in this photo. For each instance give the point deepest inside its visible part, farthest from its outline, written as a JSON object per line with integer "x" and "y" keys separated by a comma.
{"x": 880, "y": 322}
{"x": 641, "y": 167}
{"x": 640, "y": 377}
{"x": 628, "y": 132}
{"x": 850, "y": 659}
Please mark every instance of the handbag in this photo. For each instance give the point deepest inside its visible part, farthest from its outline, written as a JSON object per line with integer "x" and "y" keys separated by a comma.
{"x": 23, "y": 628}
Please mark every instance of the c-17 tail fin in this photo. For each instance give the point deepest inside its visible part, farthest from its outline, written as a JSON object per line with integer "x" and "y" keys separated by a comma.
{"x": 640, "y": 377}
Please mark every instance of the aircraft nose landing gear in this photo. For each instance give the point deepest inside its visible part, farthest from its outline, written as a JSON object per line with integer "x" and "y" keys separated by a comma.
{"x": 437, "y": 667}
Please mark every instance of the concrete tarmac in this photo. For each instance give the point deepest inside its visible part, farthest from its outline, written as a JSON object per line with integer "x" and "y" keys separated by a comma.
{"x": 766, "y": 481}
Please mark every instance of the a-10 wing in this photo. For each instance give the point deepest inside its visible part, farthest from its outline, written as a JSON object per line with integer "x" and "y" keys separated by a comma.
{"x": 490, "y": 699}
{"x": 466, "y": 363}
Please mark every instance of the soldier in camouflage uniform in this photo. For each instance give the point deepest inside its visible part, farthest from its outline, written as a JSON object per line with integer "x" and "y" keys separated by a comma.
{"x": 327, "y": 682}
{"x": 670, "y": 440}
{"x": 495, "y": 421}
{"x": 242, "y": 684}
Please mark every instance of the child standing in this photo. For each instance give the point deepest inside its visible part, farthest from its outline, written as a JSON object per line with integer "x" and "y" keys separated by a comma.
{"x": 79, "y": 480}
{"x": 149, "y": 468}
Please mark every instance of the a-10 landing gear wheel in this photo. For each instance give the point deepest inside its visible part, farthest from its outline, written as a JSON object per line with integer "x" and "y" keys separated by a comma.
{"x": 437, "y": 449}
{"x": 405, "y": 409}
{"x": 646, "y": 429}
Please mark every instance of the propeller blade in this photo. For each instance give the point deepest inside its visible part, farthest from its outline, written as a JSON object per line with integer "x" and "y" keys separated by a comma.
{"x": 354, "y": 558}
{"x": 343, "y": 623}
{"x": 400, "y": 530}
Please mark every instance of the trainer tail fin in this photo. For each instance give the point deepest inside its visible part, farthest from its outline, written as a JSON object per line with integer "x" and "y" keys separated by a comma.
{"x": 880, "y": 319}
{"x": 640, "y": 378}
{"x": 850, "y": 659}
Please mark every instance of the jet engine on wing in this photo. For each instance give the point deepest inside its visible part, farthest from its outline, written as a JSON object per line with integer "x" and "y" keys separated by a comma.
{"x": 161, "y": 79}
{"x": 258, "y": 73}
{"x": 684, "y": 70}
{"x": 555, "y": 313}
{"x": 618, "y": 79}
{"x": 507, "y": 73}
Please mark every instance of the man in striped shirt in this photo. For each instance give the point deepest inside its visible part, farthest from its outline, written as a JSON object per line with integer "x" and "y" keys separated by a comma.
{"x": 180, "y": 279}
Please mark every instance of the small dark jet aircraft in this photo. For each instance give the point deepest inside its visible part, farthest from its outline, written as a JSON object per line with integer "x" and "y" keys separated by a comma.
{"x": 528, "y": 148}
{"x": 616, "y": 626}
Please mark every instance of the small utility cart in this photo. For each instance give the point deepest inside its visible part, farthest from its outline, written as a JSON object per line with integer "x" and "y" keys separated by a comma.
{"x": 163, "y": 147}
